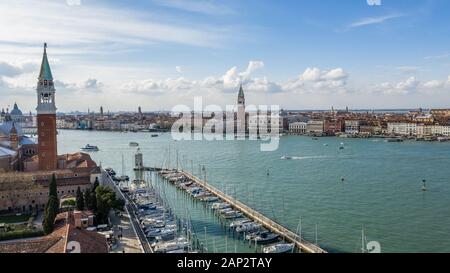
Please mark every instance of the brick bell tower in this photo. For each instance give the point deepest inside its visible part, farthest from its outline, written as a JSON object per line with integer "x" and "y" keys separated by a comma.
{"x": 46, "y": 117}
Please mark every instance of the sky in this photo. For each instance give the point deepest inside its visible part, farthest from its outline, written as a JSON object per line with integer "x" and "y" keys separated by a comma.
{"x": 299, "y": 54}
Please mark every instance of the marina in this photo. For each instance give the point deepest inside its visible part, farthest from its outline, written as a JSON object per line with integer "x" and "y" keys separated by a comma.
{"x": 365, "y": 185}
{"x": 230, "y": 208}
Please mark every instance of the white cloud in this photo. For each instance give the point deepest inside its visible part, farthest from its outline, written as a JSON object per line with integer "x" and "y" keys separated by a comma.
{"x": 434, "y": 84}
{"x": 205, "y": 7}
{"x": 11, "y": 70}
{"x": 316, "y": 80}
{"x": 179, "y": 69}
{"x": 25, "y": 22}
{"x": 374, "y": 20}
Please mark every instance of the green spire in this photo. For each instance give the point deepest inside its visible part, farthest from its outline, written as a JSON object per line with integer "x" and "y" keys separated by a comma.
{"x": 241, "y": 92}
{"x": 46, "y": 73}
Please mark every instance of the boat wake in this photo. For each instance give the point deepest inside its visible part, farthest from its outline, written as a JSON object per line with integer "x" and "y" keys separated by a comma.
{"x": 302, "y": 157}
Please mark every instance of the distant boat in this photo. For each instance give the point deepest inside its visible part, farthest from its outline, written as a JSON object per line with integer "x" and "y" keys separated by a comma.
{"x": 134, "y": 144}
{"x": 90, "y": 148}
{"x": 286, "y": 157}
{"x": 154, "y": 135}
{"x": 394, "y": 140}
{"x": 424, "y": 186}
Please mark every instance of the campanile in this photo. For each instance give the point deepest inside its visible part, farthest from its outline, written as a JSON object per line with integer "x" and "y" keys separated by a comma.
{"x": 46, "y": 117}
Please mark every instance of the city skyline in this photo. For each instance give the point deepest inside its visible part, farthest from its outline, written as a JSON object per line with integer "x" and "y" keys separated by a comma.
{"x": 157, "y": 54}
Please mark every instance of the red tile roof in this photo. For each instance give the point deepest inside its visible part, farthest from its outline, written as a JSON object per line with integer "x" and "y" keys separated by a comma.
{"x": 57, "y": 242}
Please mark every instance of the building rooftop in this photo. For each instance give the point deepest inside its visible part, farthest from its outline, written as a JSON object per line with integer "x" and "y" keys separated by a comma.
{"x": 57, "y": 242}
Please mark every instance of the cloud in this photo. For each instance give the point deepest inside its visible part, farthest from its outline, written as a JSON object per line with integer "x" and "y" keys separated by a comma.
{"x": 203, "y": 7}
{"x": 98, "y": 26}
{"x": 316, "y": 80}
{"x": 438, "y": 57}
{"x": 89, "y": 85}
{"x": 13, "y": 70}
{"x": 374, "y": 20}
{"x": 412, "y": 86}
{"x": 179, "y": 69}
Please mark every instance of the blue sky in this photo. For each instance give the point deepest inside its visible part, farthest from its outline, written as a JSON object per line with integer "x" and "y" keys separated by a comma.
{"x": 302, "y": 54}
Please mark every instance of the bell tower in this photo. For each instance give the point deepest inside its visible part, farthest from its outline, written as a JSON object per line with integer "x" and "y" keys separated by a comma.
{"x": 46, "y": 117}
{"x": 241, "y": 116}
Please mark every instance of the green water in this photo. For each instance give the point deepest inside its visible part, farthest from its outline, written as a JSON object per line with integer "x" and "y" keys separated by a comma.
{"x": 381, "y": 192}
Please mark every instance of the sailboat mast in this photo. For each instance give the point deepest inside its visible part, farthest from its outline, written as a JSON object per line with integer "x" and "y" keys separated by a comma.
{"x": 362, "y": 241}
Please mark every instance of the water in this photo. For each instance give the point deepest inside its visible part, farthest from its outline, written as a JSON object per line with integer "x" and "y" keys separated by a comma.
{"x": 381, "y": 192}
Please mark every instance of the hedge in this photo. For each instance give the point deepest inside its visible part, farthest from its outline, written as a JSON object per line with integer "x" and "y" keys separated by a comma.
{"x": 19, "y": 234}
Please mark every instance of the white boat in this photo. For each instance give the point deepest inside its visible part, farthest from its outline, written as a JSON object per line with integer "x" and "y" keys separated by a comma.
{"x": 89, "y": 148}
{"x": 248, "y": 227}
{"x": 232, "y": 214}
{"x": 279, "y": 248}
{"x": 218, "y": 206}
{"x": 238, "y": 223}
{"x": 284, "y": 157}
{"x": 210, "y": 199}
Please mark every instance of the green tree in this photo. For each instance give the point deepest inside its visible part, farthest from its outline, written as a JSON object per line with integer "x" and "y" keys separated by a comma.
{"x": 49, "y": 215}
{"x": 53, "y": 191}
{"x": 94, "y": 195}
{"x": 80, "y": 199}
{"x": 106, "y": 200}
{"x": 88, "y": 199}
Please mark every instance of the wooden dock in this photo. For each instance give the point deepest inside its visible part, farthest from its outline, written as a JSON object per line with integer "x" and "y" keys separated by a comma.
{"x": 254, "y": 215}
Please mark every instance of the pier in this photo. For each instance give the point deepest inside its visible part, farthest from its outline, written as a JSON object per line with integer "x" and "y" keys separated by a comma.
{"x": 285, "y": 233}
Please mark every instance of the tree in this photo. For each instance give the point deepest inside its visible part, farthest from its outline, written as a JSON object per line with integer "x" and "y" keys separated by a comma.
{"x": 94, "y": 195}
{"x": 80, "y": 199}
{"x": 106, "y": 200}
{"x": 53, "y": 191}
{"x": 49, "y": 215}
{"x": 88, "y": 199}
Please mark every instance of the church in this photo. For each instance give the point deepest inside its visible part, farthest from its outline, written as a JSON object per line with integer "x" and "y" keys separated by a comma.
{"x": 27, "y": 164}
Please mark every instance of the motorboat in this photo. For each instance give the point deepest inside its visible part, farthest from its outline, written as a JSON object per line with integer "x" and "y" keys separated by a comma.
{"x": 279, "y": 248}
{"x": 232, "y": 214}
{"x": 160, "y": 232}
{"x": 218, "y": 206}
{"x": 89, "y": 148}
{"x": 134, "y": 144}
{"x": 265, "y": 238}
{"x": 238, "y": 223}
{"x": 284, "y": 157}
{"x": 248, "y": 227}
{"x": 210, "y": 199}
{"x": 154, "y": 135}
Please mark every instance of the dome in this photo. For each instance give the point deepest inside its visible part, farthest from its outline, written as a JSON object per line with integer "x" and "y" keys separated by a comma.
{"x": 16, "y": 111}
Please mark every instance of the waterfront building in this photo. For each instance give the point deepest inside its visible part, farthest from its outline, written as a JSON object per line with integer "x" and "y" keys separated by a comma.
{"x": 315, "y": 127}
{"x": 333, "y": 126}
{"x": 403, "y": 128}
{"x": 352, "y": 127}
{"x": 297, "y": 128}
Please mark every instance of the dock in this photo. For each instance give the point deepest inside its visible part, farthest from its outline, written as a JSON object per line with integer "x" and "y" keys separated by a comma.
{"x": 285, "y": 233}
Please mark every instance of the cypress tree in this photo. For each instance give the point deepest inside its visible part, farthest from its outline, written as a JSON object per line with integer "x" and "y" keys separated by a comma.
{"x": 88, "y": 199}
{"x": 94, "y": 196}
{"x": 80, "y": 199}
{"x": 53, "y": 191}
{"x": 49, "y": 215}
